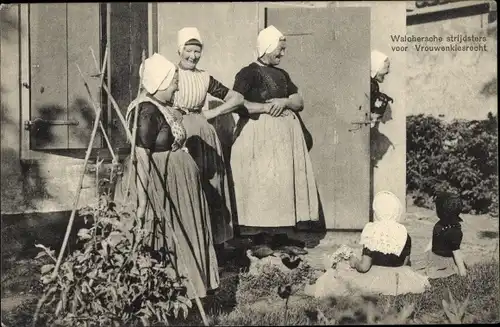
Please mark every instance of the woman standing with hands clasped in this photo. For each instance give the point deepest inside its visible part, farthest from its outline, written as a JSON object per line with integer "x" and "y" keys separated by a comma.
{"x": 272, "y": 171}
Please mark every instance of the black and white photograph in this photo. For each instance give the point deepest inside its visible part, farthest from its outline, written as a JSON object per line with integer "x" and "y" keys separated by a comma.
{"x": 281, "y": 163}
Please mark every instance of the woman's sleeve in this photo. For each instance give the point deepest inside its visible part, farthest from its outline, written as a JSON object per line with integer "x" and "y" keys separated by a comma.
{"x": 407, "y": 249}
{"x": 367, "y": 252}
{"x": 291, "y": 87}
{"x": 147, "y": 126}
{"x": 243, "y": 81}
{"x": 217, "y": 89}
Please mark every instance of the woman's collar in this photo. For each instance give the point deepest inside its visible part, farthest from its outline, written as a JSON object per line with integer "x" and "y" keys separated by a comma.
{"x": 261, "y": 63}
{"x": 163, "y": 103}
{"x": 184, "y": 68}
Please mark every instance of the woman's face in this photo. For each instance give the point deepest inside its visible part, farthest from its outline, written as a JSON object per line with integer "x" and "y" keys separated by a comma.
{"x": 384, "y": 71}
{"x": 167, "y": 94}
{"x": 190, "y": 55}
{"x": 274, "y": 58}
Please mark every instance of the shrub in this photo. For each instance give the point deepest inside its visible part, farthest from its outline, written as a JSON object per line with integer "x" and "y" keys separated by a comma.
{"x": 115, "y": 279}
{"x": 460, "y": 156}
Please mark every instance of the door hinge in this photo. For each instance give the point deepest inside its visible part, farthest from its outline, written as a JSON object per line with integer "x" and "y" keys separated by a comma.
{"x": 28, "y": 124}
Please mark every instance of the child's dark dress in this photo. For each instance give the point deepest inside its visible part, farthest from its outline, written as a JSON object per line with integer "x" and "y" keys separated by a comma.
{"x": 439, "y": 262}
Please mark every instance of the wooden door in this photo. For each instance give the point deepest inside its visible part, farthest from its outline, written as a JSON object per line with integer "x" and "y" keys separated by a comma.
{"x": 328, "y": 57}
{"x": 61, "y": 112}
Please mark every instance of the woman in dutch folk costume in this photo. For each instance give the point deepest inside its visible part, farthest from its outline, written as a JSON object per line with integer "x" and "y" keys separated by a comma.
{"x": 167, "y": 182}
{"x": 384, "y": 264}
{"x": 379, "y": 101}
{"x": 272, "y": 171}
{"x": 202, "y": 141}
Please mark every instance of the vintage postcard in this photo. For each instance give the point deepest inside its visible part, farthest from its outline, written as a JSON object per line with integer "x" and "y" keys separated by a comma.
{"x": 249, "y": 163}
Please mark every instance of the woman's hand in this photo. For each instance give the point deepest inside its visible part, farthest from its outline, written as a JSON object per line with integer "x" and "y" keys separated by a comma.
{"x": 141, "y": 212}
{"x": 353, "y": 262}
{"x": 361, "y": 265}
{"x": 232, "y": 101}
{"x": 277, "y": 106}
{"x": 210, "y": 114}
{"x": 459, "y": 259}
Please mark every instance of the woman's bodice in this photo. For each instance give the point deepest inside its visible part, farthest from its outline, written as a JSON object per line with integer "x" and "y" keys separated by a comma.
{"x": 155, "y": 132}
{"x": 258, "y": 83}
{"x": 193, "y": 89}
{"x": 389, "y": 260}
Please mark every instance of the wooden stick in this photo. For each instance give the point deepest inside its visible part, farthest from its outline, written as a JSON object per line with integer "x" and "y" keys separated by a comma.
{"x": 79, "y": 189}
{"x": 103, "y": 130}
{"x": 97, "y": 166}
{"x": 134, "y": 128}
{"x": 163, "y": 211}
{"x": 93, "y": 56}
{"x": 116, "y": 107}
{"x": 114, "y": 104}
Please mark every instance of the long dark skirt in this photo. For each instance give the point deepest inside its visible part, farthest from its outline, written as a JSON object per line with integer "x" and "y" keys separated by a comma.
{"x": 206, "y": 150}
{"x": 175, "y": 193}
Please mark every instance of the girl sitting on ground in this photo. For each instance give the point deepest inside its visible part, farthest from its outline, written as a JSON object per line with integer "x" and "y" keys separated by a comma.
{"x": 444, "y": 257}
{"x": 386, "y": 243}
{"x": 384, "y": 264}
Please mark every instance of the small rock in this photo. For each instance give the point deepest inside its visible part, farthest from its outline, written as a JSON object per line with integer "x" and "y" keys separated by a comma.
{"x": 292, "y": 250}
{"x": 261, "y": 251}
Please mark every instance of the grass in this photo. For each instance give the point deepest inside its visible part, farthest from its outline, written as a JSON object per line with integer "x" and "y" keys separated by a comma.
{"x": 243, "y": 299}
{"x": 482, "y": 283}
{"x": 247, "y": 300}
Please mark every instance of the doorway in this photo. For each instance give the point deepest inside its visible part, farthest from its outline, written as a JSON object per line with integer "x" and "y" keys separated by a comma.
{"x": 328, "y": 58}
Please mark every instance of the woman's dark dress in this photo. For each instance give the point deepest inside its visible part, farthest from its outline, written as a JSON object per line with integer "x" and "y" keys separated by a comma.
{"x": 272, "y": 171}
{"x": 175, "y": 186}
{"x": 389, "y": 260}
{"x": 439, "y": 262}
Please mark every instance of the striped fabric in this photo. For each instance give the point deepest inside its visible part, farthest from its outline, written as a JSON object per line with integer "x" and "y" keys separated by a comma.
{"x": 193, "y": 87}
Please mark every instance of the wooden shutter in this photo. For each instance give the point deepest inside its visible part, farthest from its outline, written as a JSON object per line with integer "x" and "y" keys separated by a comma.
{"x": 60, "y": 37}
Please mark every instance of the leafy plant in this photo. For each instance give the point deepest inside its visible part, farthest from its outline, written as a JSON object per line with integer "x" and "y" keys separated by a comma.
{"x": 460, "y": 156}
{"x": 115, "y": 279}
{"x": 454, "y": 311}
